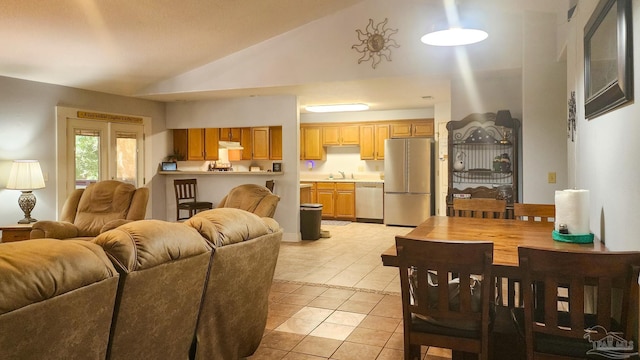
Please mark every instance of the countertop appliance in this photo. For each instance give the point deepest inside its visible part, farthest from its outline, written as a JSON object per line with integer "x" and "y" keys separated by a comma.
{"x": 408, "y": 181}
{"x": 369, "y": 200}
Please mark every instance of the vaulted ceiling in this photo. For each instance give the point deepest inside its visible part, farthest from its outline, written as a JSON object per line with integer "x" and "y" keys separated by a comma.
{"x": 123, "y": 46}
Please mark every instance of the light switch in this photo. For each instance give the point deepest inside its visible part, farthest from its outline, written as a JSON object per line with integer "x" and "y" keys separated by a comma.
{"x": 552, "y": 178}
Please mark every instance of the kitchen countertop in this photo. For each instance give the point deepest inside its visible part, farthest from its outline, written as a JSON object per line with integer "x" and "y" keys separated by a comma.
{"x": 345, "y": 180}
{"x": 195, "y": 172}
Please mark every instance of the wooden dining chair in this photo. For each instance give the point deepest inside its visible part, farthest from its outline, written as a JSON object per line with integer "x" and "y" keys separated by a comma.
{"x": 270, "y": 184}
{"x": 445, "y": 316}
{"x": 480, "y": 208}
{"x": 555, "y": 331}
{"x": 534, "y": 212}
{"x": 187, "y": 198}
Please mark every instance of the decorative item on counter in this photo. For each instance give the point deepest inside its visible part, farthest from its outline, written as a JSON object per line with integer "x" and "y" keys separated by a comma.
{"x": 572, "y": 211}
{"x": 277, "y": 167}
{"x": 255, "y": 168}
{"x": 458, "y": 163}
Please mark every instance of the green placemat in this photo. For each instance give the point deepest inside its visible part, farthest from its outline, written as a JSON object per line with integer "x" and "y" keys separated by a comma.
{"x": 572, "y": 238}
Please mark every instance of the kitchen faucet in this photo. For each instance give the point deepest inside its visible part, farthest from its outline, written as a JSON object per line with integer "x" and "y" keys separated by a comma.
{"x": 343, "y": 175}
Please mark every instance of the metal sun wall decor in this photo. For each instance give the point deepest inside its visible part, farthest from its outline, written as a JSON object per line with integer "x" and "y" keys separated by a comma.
{"x": 375, "y": 43}
{"x": 571, "y": 124}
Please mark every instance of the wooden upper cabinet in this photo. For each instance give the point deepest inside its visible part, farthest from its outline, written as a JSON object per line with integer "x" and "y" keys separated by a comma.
{"x": 414, "y": 128}
{"x": 180, "y": 143}
{"x": 382, "y": 134}
{"x": 211, "y": 138}
{"x": 196, "y": 144}
{"x": 341, "y": 135}
{"x": 275, "y": 142}
{"x": 231, "y": 134}
{"x": 367, "y": 142}
{"x": 311, "y": 142}
{"x": 260, "y": 138}
{"x": 372, "y": 139}
{"x": 246, "y": 143}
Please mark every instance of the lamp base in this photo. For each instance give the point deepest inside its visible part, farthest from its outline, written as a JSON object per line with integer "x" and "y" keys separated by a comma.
{"x": 28, "y": 220}
{"x": 27, "y": 202}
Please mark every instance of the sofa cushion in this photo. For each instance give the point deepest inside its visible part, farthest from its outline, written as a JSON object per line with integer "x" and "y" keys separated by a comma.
{"x": 36, "y": 270}
{"x": 224, "y": 226}
{"x": 144, "y": 244}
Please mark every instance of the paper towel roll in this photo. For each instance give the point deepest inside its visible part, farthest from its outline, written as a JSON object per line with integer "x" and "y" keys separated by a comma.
{"x": 572, "y": 209}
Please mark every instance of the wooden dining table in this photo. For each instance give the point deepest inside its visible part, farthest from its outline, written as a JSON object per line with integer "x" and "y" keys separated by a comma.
{"x": 506, "y": 234}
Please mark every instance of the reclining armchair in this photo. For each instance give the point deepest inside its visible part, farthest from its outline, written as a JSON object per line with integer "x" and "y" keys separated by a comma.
{"x": 100, "y": 207}
{"x": 253, "y": 198}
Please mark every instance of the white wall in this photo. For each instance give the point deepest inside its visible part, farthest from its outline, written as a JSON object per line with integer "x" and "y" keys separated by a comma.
{"x": 246, "y": 112}
{"x": 27, "y": 131}
{"x": 321, "y": 51}
{"x": 606, "y": 147}
{"x": 544, "y": 105}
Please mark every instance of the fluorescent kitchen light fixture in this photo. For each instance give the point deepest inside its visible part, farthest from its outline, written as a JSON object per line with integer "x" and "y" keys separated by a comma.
{"x": 337, "y": 108}
{"x": 454, "y": 37}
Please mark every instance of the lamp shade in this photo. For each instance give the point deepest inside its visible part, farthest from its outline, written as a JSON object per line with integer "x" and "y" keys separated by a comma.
{"x": 503, "y": 118}
{"x": 25, "y": 175}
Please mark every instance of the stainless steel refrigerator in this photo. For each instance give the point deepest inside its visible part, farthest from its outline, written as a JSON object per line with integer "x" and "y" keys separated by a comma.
{"x": 408, "y": 181}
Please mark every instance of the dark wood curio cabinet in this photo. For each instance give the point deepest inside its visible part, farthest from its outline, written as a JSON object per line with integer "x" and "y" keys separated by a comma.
{"x": 483, "y": 158}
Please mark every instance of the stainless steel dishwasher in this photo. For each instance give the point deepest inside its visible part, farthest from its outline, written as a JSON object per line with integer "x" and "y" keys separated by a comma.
{"x": 369, "y": 201}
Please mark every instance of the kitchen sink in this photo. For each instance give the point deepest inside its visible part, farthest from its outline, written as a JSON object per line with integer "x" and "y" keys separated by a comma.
{"x": 340, "y": 179}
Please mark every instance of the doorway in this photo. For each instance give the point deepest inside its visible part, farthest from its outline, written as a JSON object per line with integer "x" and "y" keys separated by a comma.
{"x": 95, "y": 147}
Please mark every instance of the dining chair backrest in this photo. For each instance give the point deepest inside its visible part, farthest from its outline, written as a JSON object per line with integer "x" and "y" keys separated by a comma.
{"x": 186, "y": 191}
{"x": 534, "y": 212}
{"x": 270, "y": 184}
{"x": 445, "y": 316}
{"x": 602, "y": 300}
{"x": 480, "y": 208}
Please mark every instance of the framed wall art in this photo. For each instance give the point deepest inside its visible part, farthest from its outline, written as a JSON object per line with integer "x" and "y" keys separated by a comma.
{"x": 608, "y": 57}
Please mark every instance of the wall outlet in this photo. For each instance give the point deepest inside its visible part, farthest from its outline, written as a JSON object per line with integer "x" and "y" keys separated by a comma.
{"x": 551, "y": 178}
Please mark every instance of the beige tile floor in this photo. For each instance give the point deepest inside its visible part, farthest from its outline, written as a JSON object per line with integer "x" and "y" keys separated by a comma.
{"x": 333, "y": 299}
{"x": 350, "y": 258}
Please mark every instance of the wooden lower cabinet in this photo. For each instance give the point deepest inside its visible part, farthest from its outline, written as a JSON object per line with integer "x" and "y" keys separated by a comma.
{"x": 310, "y": 194}
{"x": 345, "y": 201}
{"x": 338, "y": 200}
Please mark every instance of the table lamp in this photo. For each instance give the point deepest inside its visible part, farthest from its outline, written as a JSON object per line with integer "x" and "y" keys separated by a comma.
{"x": 26, "y": 176}
{"x": 504, "y": 121}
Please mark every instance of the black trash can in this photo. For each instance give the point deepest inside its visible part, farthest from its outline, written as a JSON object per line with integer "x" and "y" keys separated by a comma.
{"x": 310, "y": 220}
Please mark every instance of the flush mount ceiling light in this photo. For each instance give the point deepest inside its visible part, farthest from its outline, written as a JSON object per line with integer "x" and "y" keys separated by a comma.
{"x": 337, "y": 108}
{"x": 456, "y": 31}
{"x": 454, "y": 37}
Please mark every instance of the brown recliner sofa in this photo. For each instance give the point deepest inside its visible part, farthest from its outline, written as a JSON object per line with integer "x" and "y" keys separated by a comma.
{"x": 100, "y": 207}
{"x": 197, "y": 289}
{"x": 253, "y": 198}
{"x": 162, "y": 269}
{"x": 234, "y": 308}
{"x": 56, "y": 300}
